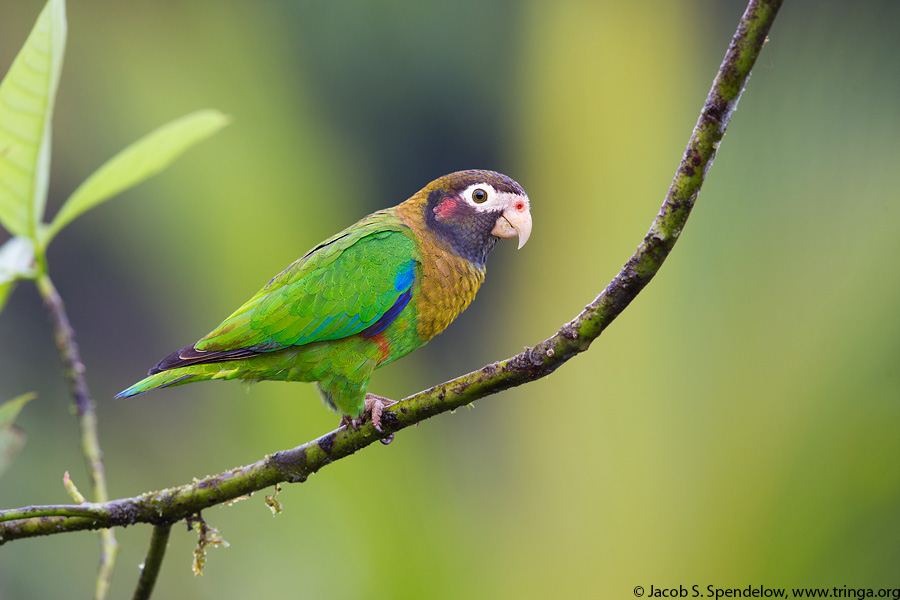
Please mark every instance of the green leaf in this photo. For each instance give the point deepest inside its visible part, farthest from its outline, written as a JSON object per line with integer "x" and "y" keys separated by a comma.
{"x": 10, "y": 409}
{"x": 12, "y": 438}
{"x": 27, "y": 94}
{"x": 16, "y": 262}
{"x": 142, "y": 159}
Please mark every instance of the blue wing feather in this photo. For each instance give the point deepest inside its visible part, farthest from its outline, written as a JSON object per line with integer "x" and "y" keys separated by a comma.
{"x": 388, "y": 317}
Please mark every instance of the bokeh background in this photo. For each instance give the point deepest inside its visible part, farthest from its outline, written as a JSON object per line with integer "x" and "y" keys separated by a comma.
{"x": 737, "y": 425}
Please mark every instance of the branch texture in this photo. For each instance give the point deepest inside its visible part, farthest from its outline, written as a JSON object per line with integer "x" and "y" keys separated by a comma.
{"x": 295, "y": 465}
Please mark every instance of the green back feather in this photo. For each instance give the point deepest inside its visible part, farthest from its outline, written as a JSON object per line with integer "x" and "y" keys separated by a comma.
{"x": 338, "y": 289}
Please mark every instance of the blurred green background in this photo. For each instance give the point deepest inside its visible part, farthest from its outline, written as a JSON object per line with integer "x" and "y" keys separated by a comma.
{"x": 737, "y": 425}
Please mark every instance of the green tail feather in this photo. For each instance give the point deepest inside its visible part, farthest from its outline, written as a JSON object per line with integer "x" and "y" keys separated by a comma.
{"x": 159, "y": 380}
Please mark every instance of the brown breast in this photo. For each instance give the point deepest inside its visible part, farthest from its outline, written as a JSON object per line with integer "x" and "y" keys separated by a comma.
{"x": 448, "y": 283}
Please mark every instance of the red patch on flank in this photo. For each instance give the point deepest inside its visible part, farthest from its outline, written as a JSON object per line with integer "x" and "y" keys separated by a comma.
{"x": 383, "y": 345}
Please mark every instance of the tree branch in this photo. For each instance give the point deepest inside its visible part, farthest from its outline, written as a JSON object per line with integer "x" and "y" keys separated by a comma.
{"x": 153, "y": 562}
{"x": 73, "y": 369}
{"x": 171, "y": 505}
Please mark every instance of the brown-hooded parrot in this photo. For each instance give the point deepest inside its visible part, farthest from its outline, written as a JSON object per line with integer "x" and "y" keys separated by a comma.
{"x": 362, "y": 298}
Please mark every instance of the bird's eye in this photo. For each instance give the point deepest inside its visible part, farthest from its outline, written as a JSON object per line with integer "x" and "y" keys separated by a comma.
{"x": 479, "y": 195}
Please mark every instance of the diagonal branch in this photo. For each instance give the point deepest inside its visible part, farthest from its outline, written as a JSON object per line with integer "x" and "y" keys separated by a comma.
{"x": 295, "y": 465}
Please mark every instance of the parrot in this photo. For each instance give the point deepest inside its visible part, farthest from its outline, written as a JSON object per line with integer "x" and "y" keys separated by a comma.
{"x": 363, "y": 298}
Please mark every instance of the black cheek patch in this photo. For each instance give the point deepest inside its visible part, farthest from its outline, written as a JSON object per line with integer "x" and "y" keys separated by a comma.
{"x": 468, "y": 231}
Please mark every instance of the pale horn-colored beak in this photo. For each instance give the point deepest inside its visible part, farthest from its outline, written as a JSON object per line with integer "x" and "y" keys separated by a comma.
{"x": 515, "y": 221}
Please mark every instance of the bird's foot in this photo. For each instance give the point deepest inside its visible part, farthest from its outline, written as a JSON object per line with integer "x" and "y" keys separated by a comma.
{"x": 374, "y": 406}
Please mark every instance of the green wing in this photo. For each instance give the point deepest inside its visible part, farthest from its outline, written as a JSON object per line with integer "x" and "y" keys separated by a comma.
{"x": 340, "y": 288}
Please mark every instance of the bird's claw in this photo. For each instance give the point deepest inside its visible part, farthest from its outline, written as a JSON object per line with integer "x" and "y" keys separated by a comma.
{"x": 374, "y": 406}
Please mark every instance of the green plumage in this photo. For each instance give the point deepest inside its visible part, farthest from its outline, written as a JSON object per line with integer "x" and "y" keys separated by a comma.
{"x": 337, "y": 290}
{"x": 361, "y": 299}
